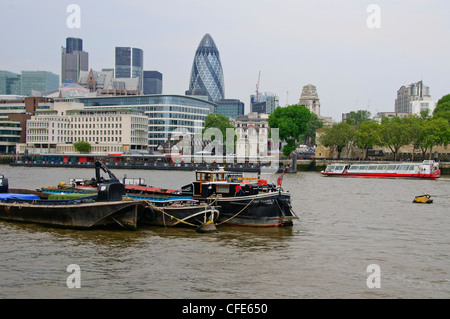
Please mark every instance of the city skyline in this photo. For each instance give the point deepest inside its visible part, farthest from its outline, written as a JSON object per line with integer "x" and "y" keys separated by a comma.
{"x": 330, "y": 45}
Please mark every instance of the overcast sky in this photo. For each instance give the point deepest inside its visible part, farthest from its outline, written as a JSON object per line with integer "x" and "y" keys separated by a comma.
{"x": 327, "y": 43}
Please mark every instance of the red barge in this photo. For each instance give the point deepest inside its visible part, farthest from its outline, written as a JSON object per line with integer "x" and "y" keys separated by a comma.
{"x": 427, "y": 169}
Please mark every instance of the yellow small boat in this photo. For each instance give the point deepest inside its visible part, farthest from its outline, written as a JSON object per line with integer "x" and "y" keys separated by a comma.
{"x": 423, "y": 199}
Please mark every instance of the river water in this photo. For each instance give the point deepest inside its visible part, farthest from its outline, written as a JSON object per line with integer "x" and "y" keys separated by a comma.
{"x": 345, "y": 226}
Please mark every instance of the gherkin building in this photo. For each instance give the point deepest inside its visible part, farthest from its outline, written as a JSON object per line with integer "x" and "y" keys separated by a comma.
{"x": 207, "y": 74}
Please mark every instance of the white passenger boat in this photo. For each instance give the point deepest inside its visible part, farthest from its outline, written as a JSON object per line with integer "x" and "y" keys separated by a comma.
{"x": 427, "y": 169}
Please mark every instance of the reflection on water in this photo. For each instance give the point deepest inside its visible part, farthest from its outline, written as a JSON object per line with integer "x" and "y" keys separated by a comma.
{"x": 344, "y": 226}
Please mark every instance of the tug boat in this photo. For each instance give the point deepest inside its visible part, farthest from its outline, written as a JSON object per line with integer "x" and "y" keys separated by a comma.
{"x": 242, "y": 201}
{"x": 426, "y": 170}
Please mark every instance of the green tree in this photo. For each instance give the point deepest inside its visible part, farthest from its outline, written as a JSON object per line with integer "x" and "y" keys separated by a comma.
{"x": 394, "y": 134}
{"x": 442, "y": 109}
{"x": 82, "y": 147}
{"x": 367, "y": 135}
{"x": 338, "y": 136}
{"x": 222, "y": 123}
{"x": 292, "y": 122}
{"x": 358, "y": 117}
{"x": 434, "y": 132}
{"x": 310, "y": 135}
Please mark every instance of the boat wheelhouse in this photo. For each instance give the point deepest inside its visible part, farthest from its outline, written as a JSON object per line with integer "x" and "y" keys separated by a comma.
{"x": 426, "y": 169}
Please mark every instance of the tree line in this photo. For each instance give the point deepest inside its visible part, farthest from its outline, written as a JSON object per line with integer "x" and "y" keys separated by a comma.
{"x": 424, "y": 131}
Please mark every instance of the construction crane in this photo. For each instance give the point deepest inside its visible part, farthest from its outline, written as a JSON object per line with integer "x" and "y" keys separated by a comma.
{"x": 257, "y": 87}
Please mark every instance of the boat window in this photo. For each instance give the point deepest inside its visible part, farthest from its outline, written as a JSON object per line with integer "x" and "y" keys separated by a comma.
{"x": 363, "y": 167}
{"x": 381, "y": 167}
{"x": 198, "y": 176}
{"x": 354, "y": 167}
{"x": 403, "y": 167}
{"x": 330, "y": 168}
{"x": 339, "y": 168}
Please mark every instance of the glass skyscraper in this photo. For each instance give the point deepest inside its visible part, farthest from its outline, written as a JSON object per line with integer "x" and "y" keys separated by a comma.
{"x": 129, "y": 63}
{"x": 73, "y": 60}
{"x": 207, "y": 73}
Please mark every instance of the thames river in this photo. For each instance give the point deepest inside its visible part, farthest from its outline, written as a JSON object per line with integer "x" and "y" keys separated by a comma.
{"x": 355, "y": 238}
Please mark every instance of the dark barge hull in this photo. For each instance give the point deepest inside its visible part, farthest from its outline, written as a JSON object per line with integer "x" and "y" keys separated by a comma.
{"x": 79, "y": 216}
{"x": 262, "y": 210}
{"x": 179, "y": 215}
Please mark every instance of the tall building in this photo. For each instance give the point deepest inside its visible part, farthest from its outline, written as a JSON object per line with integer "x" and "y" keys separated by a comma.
{"x": 152, "y": 82}
{"x": 411, "y": 93}
{"x": 129, "y": 63}
{"x": 73, "y": 61}
{"x": 207, "y": 73}
{"x": 40, "y": 81}
{"x": 231, "y": 108}
{"x": 310, "y": 99}
{"x": 264, "y": 103}
{"x": 10, "y": 83}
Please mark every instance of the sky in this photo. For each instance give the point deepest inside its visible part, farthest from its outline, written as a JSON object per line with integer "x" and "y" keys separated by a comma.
{"x": 357, "y": 53}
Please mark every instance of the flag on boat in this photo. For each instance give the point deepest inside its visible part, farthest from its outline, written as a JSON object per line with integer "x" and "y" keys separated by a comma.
{"x": 280, "y": 179}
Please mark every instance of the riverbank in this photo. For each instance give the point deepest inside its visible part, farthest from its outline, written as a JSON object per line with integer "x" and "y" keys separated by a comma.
{"x": 302, "y": 165}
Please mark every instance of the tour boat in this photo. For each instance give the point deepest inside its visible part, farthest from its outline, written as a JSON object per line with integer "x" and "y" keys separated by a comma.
{"x": 427, "y": 169}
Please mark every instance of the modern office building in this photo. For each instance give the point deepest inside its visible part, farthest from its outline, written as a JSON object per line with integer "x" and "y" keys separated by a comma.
{"x": 153, "y": 82}
{"x": 10, "y": 83}
{"x": 167, "y": 114}
{"x": 129, "y": 63}
{"x": 73, "y": 61}
{"x": 264, "y": 103}
{"x": 231, "y": 108}
{"x": 207, "y": 73}
{"x": 39, "y": 81}
{"x": 409, "y": 93}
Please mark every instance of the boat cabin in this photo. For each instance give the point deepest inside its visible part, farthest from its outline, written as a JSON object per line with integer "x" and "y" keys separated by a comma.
{"x": 225, "y": 184}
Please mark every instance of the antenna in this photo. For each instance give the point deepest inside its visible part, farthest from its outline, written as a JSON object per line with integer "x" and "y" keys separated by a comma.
{"x": 257, "y": 87}
{"x": 287, "y": 98}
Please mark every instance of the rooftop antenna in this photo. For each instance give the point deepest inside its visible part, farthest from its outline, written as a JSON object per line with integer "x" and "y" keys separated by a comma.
{"x": 287, "y": 98}
{"x": 257, "y": 87}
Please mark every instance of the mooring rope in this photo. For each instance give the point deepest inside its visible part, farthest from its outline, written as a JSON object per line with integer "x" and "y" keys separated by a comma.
{"x": 172, "y": 217}
{"x": 237, "y": 212}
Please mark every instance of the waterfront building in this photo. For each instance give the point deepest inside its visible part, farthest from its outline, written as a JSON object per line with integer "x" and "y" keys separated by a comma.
{"x": 108, "y": 130}
{"x": 231, "y": 108}
{"x": 166, "y": 114}
{"x": 10, "y": 132}
{"x": 129, "y": 63}
{"x": 153, "y": 83}
{"x": 412, "y": 93}
{"x": 207, "y": 73}
{"x": 73, "y": 61}
{"x": 252, "y": 132}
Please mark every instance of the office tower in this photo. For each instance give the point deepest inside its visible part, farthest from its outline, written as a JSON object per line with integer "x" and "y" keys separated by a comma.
{"x": 129, "y": 63}
{"x": 40, "y": 81}
{"x": 409, "y": 93}
{"x": 231, "y": 108}
{"x": 10, "y": 83}
{"x": 73, "y": 60}
{"x": 207, "y": 73}
{"x": 152, "y": 82}
{"x": 264, "y": 103}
